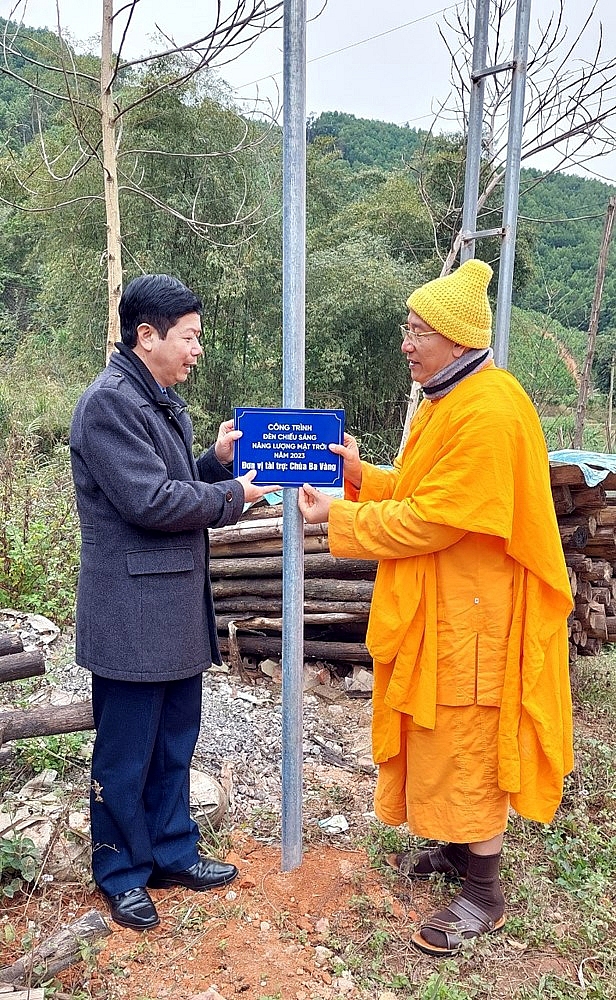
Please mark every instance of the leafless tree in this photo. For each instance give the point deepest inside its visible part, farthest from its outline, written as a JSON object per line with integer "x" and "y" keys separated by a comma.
{"x": 234, "y": 27}
{"x": 570, "y": 105}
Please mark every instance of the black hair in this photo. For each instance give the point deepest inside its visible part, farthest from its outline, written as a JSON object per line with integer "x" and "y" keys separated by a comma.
{"x": 157, "y": 299}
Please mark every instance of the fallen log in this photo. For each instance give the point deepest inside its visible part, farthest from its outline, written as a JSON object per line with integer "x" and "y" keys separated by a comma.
{"x": 48, "y": 720}
{"x": 15, "y": 666}
{"x": 57, "y": 952}
{"x": 10, "y": 644}
{"x": 8, "y": 993}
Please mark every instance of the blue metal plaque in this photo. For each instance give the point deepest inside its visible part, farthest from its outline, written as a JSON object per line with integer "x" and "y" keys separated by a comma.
{"x": 289, "y": 447}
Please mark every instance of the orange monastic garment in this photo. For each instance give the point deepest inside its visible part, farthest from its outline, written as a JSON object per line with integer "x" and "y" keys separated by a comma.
{"x": 472, "y": 595}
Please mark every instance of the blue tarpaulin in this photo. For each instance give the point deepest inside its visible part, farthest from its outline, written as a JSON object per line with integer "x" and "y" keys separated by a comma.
{"x": 595, "y": 465}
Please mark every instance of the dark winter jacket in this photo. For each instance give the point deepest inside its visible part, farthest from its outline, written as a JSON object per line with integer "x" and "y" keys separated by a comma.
{"x": 144, "y": 603}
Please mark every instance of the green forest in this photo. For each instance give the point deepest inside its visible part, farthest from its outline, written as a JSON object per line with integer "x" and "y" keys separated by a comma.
{"x": 200, "y": 197}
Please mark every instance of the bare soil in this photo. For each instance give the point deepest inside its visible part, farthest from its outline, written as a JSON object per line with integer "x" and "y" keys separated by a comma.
{"x": 274, "y": 934}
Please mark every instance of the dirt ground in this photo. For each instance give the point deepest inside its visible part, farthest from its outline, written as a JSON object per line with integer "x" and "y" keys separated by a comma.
{"x": 274, "y": 936}
{"x": 257, "y": 938}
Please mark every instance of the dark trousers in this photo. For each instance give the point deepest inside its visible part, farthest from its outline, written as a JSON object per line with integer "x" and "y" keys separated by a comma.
{"x": 139, "y": 797}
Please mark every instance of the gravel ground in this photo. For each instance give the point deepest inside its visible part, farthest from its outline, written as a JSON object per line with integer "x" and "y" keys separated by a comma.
{"x": 241, "y": 727}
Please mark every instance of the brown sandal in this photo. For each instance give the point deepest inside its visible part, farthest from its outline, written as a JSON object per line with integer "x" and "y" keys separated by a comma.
{"x": 405, "y": 862}
{"x": 471, "y": 921}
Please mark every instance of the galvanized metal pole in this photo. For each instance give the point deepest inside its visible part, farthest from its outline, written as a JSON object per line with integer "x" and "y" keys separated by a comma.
{"x": 512, "y": 182}
{"x": 475, "y": 130}
{"x": 293, "y": 372}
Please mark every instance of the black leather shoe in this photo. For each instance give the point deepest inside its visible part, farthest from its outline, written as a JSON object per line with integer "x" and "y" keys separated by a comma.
{"x": 205, "y": 874}
{"x": 133, "y": 909}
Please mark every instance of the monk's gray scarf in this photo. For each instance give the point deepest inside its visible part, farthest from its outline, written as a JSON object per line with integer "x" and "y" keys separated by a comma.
{"x": 451, "y": 376}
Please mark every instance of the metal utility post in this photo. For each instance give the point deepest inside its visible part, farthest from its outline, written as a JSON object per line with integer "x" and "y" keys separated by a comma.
{"x": 475, "y": 128}
{"x": 293, "y": 380}
{"x": 507, "y": 232}
{"x": 512, "y": 182}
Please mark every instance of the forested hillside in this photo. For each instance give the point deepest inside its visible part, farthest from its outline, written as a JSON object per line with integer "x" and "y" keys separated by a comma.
{"x": 381, "y": 217}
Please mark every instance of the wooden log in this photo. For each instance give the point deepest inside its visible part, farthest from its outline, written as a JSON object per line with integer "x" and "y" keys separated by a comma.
{"x": 265, "y": 547}
{"x": 573, "y": 536}
{"x": 247, "y": 532}
{"x": 605, "y": 533}
{"x": 29, "y": 993}
{"x": 597, "y": 626}
{"x": 57, "y": 952}
{"x": 316, "y": 564}
{"x": 588, "y": 521}
{"x": 591, "y": 648}
{"x": 606, "y": 515}
{"x": 582, "y": 639}
{"x": 48, "y": 720}
{"x": 332, "y": 652}
{"x": 336, "y": 590}
{"x": 588, "y": 498}
{"x": 275, "y": 624}
{"x": 602, "y": 595}
{"x": 578, "y": 561}
{"x": 566, "y": 475}
{"x": 563, "y": 501}
{"x": 15, "y": 666}
{"x": 602, "y": 549}
{"x": 273, "y": 607}
{"x": 610, "y": 622}
{"x": 264, "y": 512}
{"x": 597, "y": 571}
{"x": 583, "y": 610}
{"x": 572, "y": 475}
{"x": 584, "y": 590}
{"x": 10, "y": 643}
{"x": 576, "y": 630}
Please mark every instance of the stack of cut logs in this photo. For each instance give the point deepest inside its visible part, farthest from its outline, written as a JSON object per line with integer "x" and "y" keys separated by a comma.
{"x": 587, "y": 521}
{"x": 246, "y": 569}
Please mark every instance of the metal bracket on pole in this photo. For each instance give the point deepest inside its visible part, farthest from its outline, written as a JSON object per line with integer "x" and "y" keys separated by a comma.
{"x": 293, "y": 379}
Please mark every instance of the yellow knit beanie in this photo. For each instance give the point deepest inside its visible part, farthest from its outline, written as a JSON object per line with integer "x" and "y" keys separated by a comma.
{"x": 457, "y": 305}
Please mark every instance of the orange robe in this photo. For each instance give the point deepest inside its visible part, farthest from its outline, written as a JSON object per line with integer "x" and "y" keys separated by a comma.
{"x": 472, "y": 595}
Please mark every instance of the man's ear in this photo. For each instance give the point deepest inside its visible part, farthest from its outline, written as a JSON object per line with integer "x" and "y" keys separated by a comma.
{"x": 145, "y": 336}
{"x": 459, "y": 350}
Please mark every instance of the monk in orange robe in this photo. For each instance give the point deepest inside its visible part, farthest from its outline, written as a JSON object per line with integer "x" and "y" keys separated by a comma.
{"x": 471, "y": 701}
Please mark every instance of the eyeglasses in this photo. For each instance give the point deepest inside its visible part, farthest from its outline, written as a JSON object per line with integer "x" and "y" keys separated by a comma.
{"x": 412, "y": 336}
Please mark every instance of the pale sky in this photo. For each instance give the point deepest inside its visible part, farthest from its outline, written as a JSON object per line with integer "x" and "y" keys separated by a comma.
{"x": 379, "y": 59}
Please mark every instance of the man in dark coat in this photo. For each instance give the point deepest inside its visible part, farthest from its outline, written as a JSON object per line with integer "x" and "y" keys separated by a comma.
{"x": 145, "y": 618}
